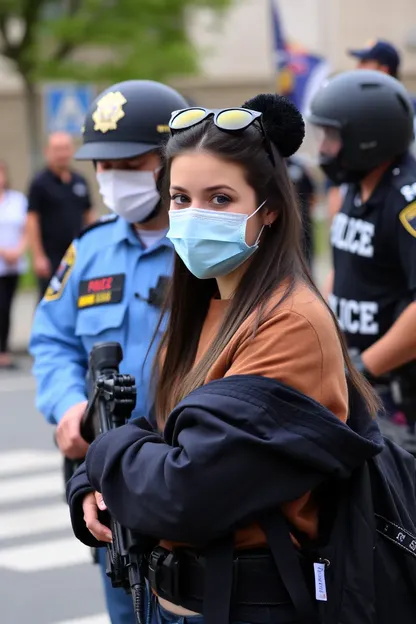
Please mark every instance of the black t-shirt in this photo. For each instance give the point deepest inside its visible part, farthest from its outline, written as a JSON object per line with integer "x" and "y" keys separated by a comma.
{"x": 374, "y": 252}
{"x": 61, "y": 207}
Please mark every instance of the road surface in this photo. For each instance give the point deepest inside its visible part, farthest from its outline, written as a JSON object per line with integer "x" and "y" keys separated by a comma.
{"x": 46, "y": 575}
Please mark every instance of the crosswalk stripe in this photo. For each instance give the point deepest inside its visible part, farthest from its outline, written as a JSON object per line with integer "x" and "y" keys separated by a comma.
{"x": 102, "y": 618}
{"x": 34, "y": 521}
{"x": 20, "y": 461}
{"x": 29, "y": 488}
{"x": 43, "y": 556}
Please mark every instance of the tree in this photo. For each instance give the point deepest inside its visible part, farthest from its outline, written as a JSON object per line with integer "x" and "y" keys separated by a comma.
{"x": 100, "y": 41}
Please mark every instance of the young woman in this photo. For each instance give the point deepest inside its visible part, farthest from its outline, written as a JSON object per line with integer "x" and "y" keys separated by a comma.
{"x": 13, "y": 209}
{"x": 251, "y": 392}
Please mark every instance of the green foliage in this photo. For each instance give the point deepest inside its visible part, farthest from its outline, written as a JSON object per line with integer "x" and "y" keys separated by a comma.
{"x": 95, "y": 40}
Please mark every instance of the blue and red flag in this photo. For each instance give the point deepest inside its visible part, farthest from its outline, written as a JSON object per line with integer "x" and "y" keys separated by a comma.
{"x": 299, "y": 72}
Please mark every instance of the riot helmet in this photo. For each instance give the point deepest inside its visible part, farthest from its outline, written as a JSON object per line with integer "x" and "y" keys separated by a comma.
{"x": 128, "y": 119}
{"x": 372, "y": 115}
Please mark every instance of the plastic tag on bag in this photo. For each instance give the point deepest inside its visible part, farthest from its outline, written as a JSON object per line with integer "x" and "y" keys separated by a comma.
{"x": 320, "y": 583}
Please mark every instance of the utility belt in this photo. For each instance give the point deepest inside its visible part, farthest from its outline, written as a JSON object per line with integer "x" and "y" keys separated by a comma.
{"x": 180, "y": 577}
{"x": 400, "y": 384}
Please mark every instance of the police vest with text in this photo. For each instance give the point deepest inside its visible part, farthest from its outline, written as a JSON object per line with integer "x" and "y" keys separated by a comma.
{"x": 374, "y": 254}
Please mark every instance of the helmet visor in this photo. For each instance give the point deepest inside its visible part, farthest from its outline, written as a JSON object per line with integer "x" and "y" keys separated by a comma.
{"x": 328, "y": 140}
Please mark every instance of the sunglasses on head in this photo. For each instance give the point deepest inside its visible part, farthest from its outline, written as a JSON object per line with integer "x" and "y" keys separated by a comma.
{"x": 228, "y": 119}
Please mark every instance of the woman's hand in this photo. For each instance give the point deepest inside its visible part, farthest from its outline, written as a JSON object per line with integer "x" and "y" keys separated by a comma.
{"x": 90, "y": 505}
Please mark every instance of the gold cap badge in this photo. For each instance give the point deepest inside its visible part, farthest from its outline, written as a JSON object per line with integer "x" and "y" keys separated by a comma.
{"x": 109, "y": 111}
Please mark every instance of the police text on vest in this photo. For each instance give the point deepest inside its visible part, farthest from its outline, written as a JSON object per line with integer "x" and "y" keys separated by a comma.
{"x": 353, "y": 235}
{"x": 355, "y": 317}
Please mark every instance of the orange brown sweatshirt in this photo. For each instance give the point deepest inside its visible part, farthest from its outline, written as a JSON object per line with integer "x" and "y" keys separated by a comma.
{"x": 298, "y": 345}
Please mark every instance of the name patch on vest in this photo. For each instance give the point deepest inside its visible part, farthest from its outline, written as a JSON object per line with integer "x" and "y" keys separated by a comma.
{"x": 101, "y": 290}
{"x": 353, "y": 235}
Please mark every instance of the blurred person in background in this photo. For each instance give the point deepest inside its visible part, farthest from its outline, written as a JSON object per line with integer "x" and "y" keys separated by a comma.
{"x": 306, "y": 191}
{"x": 13, "y": 212}
{"x": 112, "y": 280}
{"x": 366, "y": 119}
{"x": 379, "y": 55}
{"x": 59, "y": 207}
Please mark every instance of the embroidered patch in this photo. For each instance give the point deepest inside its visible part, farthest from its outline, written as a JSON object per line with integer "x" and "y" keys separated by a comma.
{"x": 408, "y": 218}
{"x": 58, "y": 281}
{"x": 101, "y": 290}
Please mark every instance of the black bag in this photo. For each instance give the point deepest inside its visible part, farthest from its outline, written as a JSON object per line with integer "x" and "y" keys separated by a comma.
{"x": 370, "y": 556}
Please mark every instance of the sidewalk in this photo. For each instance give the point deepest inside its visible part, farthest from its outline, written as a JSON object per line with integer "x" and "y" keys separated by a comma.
{"x": 25, "y": 303}
{"x": 22, "y": 315}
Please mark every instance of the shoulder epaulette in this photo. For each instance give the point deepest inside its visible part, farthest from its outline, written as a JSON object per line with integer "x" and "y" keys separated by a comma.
{"x": 104, "y": 220}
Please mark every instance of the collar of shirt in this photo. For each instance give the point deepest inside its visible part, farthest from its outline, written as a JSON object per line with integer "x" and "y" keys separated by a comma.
{"x": 58, "y": 178}
{"x": 125, "y": 231}
{"x": 379, "y": 192}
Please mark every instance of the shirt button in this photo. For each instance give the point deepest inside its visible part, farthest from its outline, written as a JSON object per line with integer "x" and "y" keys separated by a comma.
{"x": 396, "y": 171}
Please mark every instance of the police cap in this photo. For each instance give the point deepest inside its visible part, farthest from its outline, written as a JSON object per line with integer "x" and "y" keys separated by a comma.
{"x": 128, "y": 119}
{"x": 373, "y": 113}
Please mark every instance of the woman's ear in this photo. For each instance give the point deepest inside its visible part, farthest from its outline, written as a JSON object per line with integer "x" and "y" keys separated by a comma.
{"x": 269, "y": 217}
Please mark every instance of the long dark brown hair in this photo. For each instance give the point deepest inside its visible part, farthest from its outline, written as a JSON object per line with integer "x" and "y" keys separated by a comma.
{"x": 277, "y": 261}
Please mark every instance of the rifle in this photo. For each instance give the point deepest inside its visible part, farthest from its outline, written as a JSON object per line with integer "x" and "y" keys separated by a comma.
{"x": 112, "y": 400}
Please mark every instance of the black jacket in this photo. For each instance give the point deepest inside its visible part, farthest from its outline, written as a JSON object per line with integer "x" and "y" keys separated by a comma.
{"x": 231, "y": 452}
{"x": 225, "y": 450}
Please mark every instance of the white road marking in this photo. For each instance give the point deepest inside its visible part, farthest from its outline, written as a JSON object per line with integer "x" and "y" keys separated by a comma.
{"x": 34, "y": 521}
{"x": 102, "y": 618}
{"x": 30, "y": 488}
{"x": 20, "y": 461}
{"x": 25, "y": 476}
{"x": 43, "y": 556}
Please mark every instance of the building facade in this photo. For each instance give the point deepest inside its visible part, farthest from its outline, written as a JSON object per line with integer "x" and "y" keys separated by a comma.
{"x": 236, "y": 56}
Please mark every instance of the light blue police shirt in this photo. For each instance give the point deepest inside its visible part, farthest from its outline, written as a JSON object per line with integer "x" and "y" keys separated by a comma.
{"x": 81, "y": 308}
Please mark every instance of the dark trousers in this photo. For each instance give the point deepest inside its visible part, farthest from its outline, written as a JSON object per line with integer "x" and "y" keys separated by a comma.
{"x": 8, "y": 285}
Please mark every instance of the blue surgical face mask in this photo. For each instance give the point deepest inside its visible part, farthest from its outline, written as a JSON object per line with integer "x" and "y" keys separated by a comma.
{"x": 211, "y": 243}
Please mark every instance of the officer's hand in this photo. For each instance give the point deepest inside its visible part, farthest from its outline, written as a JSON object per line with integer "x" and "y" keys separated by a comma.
{"x": 68, "y": 432}
{"x": 90, "y": 506}
{"x": 42, "y": 266}
{"x": 11, "y": 256}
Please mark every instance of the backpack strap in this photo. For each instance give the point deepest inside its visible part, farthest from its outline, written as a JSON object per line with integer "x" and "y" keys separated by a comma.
{"x": 219, "y": 581}
{"x": 396, "y": 534}
{"x": 287, "y": 560}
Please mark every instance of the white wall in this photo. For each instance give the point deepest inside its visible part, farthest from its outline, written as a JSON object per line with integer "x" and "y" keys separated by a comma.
{"x": 239, "y": 45}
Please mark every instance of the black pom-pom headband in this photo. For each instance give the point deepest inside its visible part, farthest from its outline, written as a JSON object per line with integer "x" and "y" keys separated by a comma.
{"x": 281, "y": 120}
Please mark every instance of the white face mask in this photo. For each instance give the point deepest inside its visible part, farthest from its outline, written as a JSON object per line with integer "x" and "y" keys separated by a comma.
{"x": 131, "y": 194}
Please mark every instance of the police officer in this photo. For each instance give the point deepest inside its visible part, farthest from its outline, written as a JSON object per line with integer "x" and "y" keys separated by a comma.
{"x": 111, "y": 280}
{"x": 367, "y": 122}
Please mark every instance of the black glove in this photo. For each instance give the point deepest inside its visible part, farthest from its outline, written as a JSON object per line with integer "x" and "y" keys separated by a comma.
{"x": 357, "y": 360}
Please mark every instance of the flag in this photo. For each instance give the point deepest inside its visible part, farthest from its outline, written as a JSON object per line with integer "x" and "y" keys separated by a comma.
{"x": 299, "y": 72}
